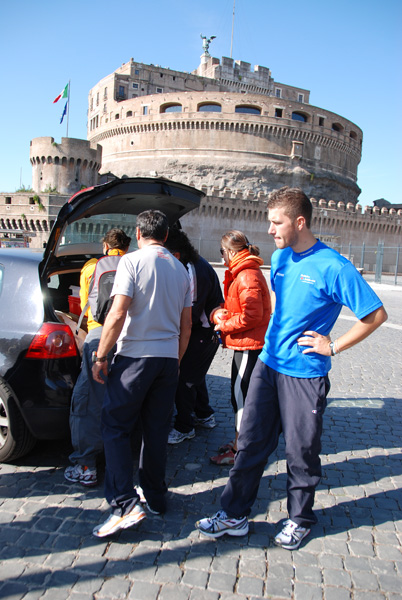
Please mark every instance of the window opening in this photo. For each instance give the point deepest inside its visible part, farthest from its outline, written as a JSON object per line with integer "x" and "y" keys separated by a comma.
{"x": 250, "y": 110}
{"x": 296, "y": 116}
{"x": 209, "y": 108}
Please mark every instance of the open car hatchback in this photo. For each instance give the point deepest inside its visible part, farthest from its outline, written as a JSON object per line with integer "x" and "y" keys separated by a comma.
{"x": 39, "y": 304}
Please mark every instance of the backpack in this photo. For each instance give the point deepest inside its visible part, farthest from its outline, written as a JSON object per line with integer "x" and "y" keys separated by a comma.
{"x": 100, "y": 288}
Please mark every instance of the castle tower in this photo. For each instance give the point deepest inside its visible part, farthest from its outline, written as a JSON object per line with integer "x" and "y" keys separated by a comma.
{"x": 225, "y": 126}
{"x": 64, "y": 168}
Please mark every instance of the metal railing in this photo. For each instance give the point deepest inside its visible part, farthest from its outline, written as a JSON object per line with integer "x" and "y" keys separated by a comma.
{"x": 379, "y": 262}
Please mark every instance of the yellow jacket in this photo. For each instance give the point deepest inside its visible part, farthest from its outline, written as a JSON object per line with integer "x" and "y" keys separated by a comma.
{"x": 85, "y": 278}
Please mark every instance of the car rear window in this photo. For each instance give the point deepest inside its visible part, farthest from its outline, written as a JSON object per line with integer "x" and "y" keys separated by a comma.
{"x": 85, "y": 236}
{"x": 92, "y": 229}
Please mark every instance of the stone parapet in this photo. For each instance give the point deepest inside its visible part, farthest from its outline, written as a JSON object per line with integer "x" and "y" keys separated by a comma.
{"x": 65, "y": 167}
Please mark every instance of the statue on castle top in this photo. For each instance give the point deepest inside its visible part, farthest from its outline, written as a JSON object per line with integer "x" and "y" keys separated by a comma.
{"x": 206, "y": 41}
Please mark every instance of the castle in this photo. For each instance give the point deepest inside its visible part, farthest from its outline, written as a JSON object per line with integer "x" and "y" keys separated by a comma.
{"x": 229, "y": 130}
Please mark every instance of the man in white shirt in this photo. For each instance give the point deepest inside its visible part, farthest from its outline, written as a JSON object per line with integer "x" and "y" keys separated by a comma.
{"x": 150, "y": 320}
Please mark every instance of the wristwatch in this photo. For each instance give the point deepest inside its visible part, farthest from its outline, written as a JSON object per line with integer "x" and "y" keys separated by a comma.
{"x": 96, "y": 358}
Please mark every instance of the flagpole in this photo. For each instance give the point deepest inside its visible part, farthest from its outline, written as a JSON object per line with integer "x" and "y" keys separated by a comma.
{"x": 68, "y": 104}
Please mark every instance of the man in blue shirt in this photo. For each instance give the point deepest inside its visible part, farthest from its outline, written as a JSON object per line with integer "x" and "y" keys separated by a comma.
{"x": 288, "y": 389}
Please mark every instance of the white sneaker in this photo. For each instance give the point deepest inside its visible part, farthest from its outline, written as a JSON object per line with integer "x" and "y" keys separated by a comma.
{"x": 220, "y": 524}
{"x": 114, "y": 523}
{"x": 83, "y": 475}
{"x": 175, "y": 437}
{"x": 207, "y": 423}
{"x": 291, "y": 535}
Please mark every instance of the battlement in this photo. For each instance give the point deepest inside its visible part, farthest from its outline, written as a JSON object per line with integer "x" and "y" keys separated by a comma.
{"x": 64, "y": 167}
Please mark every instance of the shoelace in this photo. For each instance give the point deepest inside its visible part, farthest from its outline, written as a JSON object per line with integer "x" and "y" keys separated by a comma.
{"x": 289, "y": 527}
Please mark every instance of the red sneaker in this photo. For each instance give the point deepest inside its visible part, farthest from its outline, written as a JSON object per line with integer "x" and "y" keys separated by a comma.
{"x": 225, "y": 458}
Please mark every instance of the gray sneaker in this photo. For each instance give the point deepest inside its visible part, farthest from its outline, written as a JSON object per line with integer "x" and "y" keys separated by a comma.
{"x": 175, "y": 437}
{"x": 291, "y": 535}
{"x": 207, "y": 423}
{"x": 83, "y": 475}
{"x": 220, "y": 524}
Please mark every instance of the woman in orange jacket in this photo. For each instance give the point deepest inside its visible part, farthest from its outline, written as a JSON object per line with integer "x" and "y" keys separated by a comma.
{"x": 242, "y": 322}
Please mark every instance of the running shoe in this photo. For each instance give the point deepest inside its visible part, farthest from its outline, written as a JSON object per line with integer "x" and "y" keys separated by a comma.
{"x": 220, "y": 524}
{"x": 175, "y": 437}
{"x": 83, "y": 475}
{"x": 225, "y": 458}
{"x": 225, "y": 447}
{"x": 291, "y": 535}
{"x": 207, "y": 423}
{"x": 114, "y": 523}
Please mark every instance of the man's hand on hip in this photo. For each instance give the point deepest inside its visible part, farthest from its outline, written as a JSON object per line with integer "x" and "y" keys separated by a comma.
{"x": 97, "y": 369}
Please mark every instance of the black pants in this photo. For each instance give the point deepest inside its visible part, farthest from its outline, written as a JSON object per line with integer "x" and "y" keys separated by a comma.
{"x": 192, "y": 394}
{"x": 137, "y": 388}
{"x": 278, "y": 404}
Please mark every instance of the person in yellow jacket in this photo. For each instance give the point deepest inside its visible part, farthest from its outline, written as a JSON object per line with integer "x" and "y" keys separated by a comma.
{"x": 87, "y": 399}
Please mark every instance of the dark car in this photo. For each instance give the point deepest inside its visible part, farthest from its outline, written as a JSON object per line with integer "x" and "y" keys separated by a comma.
{"x": 39, "y": 345}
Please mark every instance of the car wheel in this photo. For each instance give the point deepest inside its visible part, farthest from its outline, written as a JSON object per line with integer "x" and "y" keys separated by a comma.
{"x": 15, "y": 438}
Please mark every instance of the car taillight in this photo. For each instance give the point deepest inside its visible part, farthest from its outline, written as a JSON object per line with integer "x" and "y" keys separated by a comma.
{"x": 53, "y": 340}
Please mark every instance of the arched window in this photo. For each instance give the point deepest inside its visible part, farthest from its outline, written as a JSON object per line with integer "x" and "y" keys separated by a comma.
{"x": 298, "y": 116}
{"x": 249, "y": 110}
{"x": 170, "y": 108}
{"x": 353, "y": 135}
{"x": 129, "y": 113}
{"x": 209, "y": 107}
{"x": 337, "y": 127}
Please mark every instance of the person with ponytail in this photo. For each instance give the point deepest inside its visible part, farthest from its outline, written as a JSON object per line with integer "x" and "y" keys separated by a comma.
{"x": 242, "y": 322}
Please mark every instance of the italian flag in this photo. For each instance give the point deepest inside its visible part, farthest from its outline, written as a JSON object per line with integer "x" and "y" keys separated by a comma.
{"x": 64, "y": 94}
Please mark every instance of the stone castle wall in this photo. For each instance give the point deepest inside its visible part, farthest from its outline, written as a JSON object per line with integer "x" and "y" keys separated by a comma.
{"x": 250, "y": 152}
{"x": 29, "y": 216}
{"x": 336, "y": 223}
{"x": 222, "y": 125}
{"x": 66, "y": 167}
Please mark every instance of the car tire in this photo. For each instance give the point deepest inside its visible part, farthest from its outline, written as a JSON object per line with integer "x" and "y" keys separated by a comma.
{"x": 15, "y": 437}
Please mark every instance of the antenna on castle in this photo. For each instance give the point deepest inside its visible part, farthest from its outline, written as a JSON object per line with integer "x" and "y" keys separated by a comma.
{"x": 231, "y": 41}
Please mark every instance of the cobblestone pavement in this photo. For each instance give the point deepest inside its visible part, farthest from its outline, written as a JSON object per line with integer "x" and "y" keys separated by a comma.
{"x": 47, "y": 550}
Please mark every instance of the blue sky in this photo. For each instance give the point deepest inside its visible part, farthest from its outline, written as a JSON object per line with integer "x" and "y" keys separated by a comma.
{"x": 347, "y": 53}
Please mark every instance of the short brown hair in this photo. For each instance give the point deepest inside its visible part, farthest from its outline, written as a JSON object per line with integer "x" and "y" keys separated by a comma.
{"x": 117, "y": 238}
{"x": 294, "y": 202}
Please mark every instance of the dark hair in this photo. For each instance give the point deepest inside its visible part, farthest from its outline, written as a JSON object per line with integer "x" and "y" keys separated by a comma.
{"x": 294, "y": 202}
{"x": 153, "y": 224}
{"x": 237, "y": 241}
{"x": 177, "y": 241}
{"x": 117, "y": 238}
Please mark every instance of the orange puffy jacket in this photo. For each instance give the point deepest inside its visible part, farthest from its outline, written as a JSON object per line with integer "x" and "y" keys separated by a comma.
{"x": 248, "y": 303}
